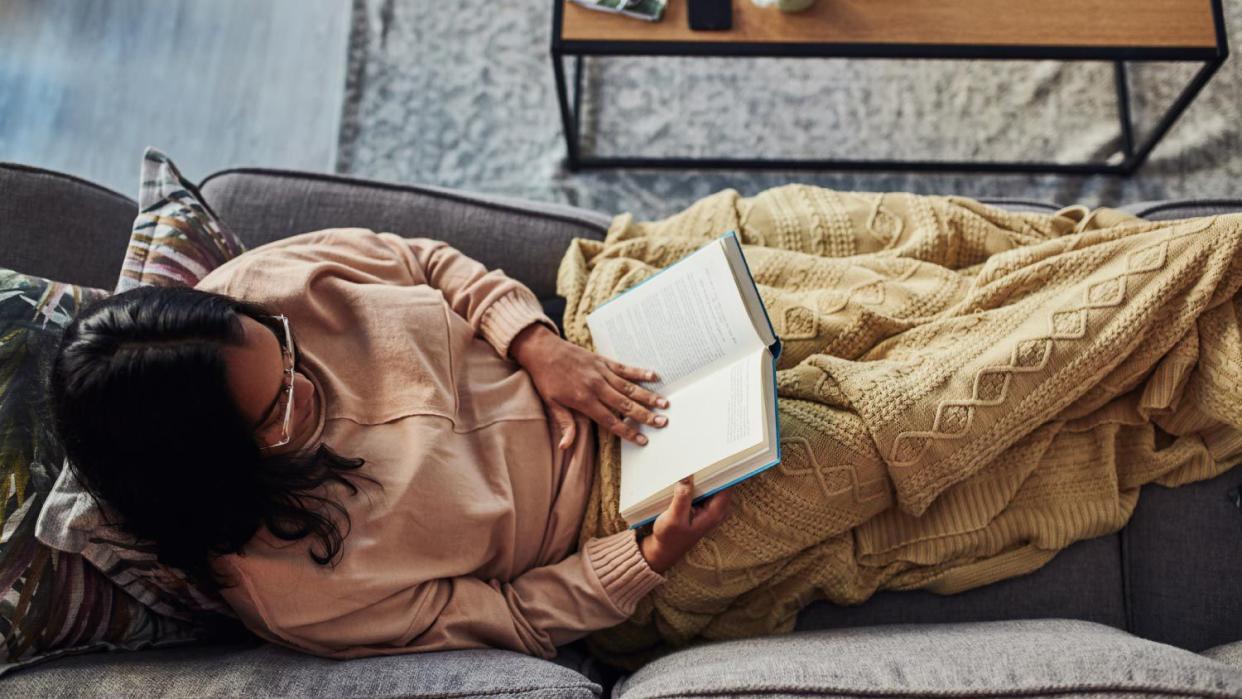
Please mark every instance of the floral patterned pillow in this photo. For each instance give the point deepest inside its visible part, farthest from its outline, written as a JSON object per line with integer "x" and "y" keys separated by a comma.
{"x": 176, "y": 240}
{"x": 52, "y": 602}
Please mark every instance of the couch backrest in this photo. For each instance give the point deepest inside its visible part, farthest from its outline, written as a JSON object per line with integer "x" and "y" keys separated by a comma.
{"x": 58, "y": 226}
{"x": 526, "y": 239}
{"x": 62, "y": 227}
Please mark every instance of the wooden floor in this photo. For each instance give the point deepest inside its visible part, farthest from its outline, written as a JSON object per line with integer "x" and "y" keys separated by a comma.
{"x": 85, "y": 85}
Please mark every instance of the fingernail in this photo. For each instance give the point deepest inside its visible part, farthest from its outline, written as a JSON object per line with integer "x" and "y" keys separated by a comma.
{"x": 642, "y": 439}
{"x": 661, "y": 420}
{"x": 662, "y": 403}
{"x": 651, "y": 375}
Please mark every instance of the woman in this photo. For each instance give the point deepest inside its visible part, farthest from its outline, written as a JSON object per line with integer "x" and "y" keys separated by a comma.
{"x": 372, "y": 444}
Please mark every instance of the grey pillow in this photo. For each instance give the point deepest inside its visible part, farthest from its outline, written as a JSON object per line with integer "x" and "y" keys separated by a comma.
{"x": 271, "y": 671}
{"x": 1229, "y": 653}
{"x": 1033, "y": 658}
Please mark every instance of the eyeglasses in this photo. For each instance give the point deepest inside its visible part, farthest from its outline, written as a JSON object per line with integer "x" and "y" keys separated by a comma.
{"x": 287, "y": 354}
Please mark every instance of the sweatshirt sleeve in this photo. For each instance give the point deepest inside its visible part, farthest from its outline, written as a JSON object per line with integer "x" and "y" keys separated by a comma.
{"x": 534, "y": 613}
{"x": 496, "y": 306}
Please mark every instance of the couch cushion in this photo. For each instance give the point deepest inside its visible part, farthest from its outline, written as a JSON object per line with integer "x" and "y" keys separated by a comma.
{"x": 1083, "y": 581}
{"x": 271, "y": 671}
{"x": 1033, "y": 658}
{"x": 1228, "y": 653}
{"x": 525, "y": 239}
{"x": 1182, "y": 208}
{"x": 62, "y": 227}
{"x": 1183, "y": 559}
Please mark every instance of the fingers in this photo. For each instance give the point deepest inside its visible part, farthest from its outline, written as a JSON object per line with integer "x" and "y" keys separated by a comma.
{"x": 629, "y": 372}
{"x": 637, "y": 393}
{"x": 601, "y": 414}
{"x": 701, "y": 518}
{"x": 713, "y": 512}
{"x": 680, "y": 527}
{"x": 630, "y": 408}
{"x": 565, "y": 419}
{"x": 601, "y": 400}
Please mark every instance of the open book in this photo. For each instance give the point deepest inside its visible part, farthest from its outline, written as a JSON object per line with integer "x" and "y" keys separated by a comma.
{"x": 700, "y": 325}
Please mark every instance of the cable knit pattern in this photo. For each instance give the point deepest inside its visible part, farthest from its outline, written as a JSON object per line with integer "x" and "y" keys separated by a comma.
{"x": 964, "y": 392}
{"x": 622, "y": 569}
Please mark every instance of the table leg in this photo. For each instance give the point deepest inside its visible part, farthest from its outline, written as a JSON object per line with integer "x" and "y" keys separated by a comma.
{"x": 1166, "y": 122}
{"x": 567, "y": 121}
{"x": 1123, "y": 109}
{"x": 578, "y": 71}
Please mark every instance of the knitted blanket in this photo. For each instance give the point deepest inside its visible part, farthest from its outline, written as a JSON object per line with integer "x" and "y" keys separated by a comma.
{"x": 964, "y": 391}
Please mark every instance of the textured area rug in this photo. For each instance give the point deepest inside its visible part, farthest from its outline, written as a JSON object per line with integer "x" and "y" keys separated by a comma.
{"x": 461, "y": 94}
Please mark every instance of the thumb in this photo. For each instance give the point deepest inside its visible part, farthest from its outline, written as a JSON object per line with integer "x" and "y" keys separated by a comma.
{"x": 565, "y": 420}
{"x": 679, "y": 509}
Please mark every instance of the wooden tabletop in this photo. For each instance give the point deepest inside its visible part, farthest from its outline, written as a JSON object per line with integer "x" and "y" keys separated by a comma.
{"x": 1089, "y": 23}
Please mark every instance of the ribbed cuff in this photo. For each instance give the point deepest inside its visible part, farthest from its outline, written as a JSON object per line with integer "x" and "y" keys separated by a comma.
{"x": 508, "y": 315}
{"x": 622, "y": 569}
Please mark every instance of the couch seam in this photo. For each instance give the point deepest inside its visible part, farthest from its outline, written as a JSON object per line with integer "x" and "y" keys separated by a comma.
{"x": 65, "y": 176}
{"x": 1039, "y": 691}
{"x": 1127, "y": 605}
{"x": 509, "y": 692}
{"x": 461, "y": 198}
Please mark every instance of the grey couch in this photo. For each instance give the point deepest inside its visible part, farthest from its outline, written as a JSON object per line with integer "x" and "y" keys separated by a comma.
{"x": 1154, "y": 610}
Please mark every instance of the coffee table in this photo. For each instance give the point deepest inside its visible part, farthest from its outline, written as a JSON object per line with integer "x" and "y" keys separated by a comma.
{"x": 1118, "y": 31}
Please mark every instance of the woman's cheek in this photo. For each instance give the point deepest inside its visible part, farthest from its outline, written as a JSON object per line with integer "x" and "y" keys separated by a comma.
{"x": 304, "y": 393}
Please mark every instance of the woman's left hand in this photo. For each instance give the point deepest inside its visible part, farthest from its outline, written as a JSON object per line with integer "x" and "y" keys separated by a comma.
{"x": 570, "y": 377}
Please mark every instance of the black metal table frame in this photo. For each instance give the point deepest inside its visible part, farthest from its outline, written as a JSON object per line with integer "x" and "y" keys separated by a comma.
{"x": 1135, "y": 155}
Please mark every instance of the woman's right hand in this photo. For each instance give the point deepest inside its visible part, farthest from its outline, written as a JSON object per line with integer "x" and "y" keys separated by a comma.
{"x": 681, "y": 526}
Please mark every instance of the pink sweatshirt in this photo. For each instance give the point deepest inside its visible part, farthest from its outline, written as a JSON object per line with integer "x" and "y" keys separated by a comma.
{"x": 471, "y": 541}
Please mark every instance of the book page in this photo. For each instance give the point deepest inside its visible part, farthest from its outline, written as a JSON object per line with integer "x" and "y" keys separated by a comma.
{"x": 750, "y": 294}
{"x": 708, "y": 420}
{"x": 685, "y": 321}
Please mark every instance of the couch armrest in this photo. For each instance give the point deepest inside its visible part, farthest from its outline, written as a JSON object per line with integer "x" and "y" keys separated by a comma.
{"x": 524, "y": 238}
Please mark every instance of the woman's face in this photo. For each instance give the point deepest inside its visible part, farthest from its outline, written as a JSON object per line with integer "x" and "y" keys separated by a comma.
{"x": 256, "y": 376}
